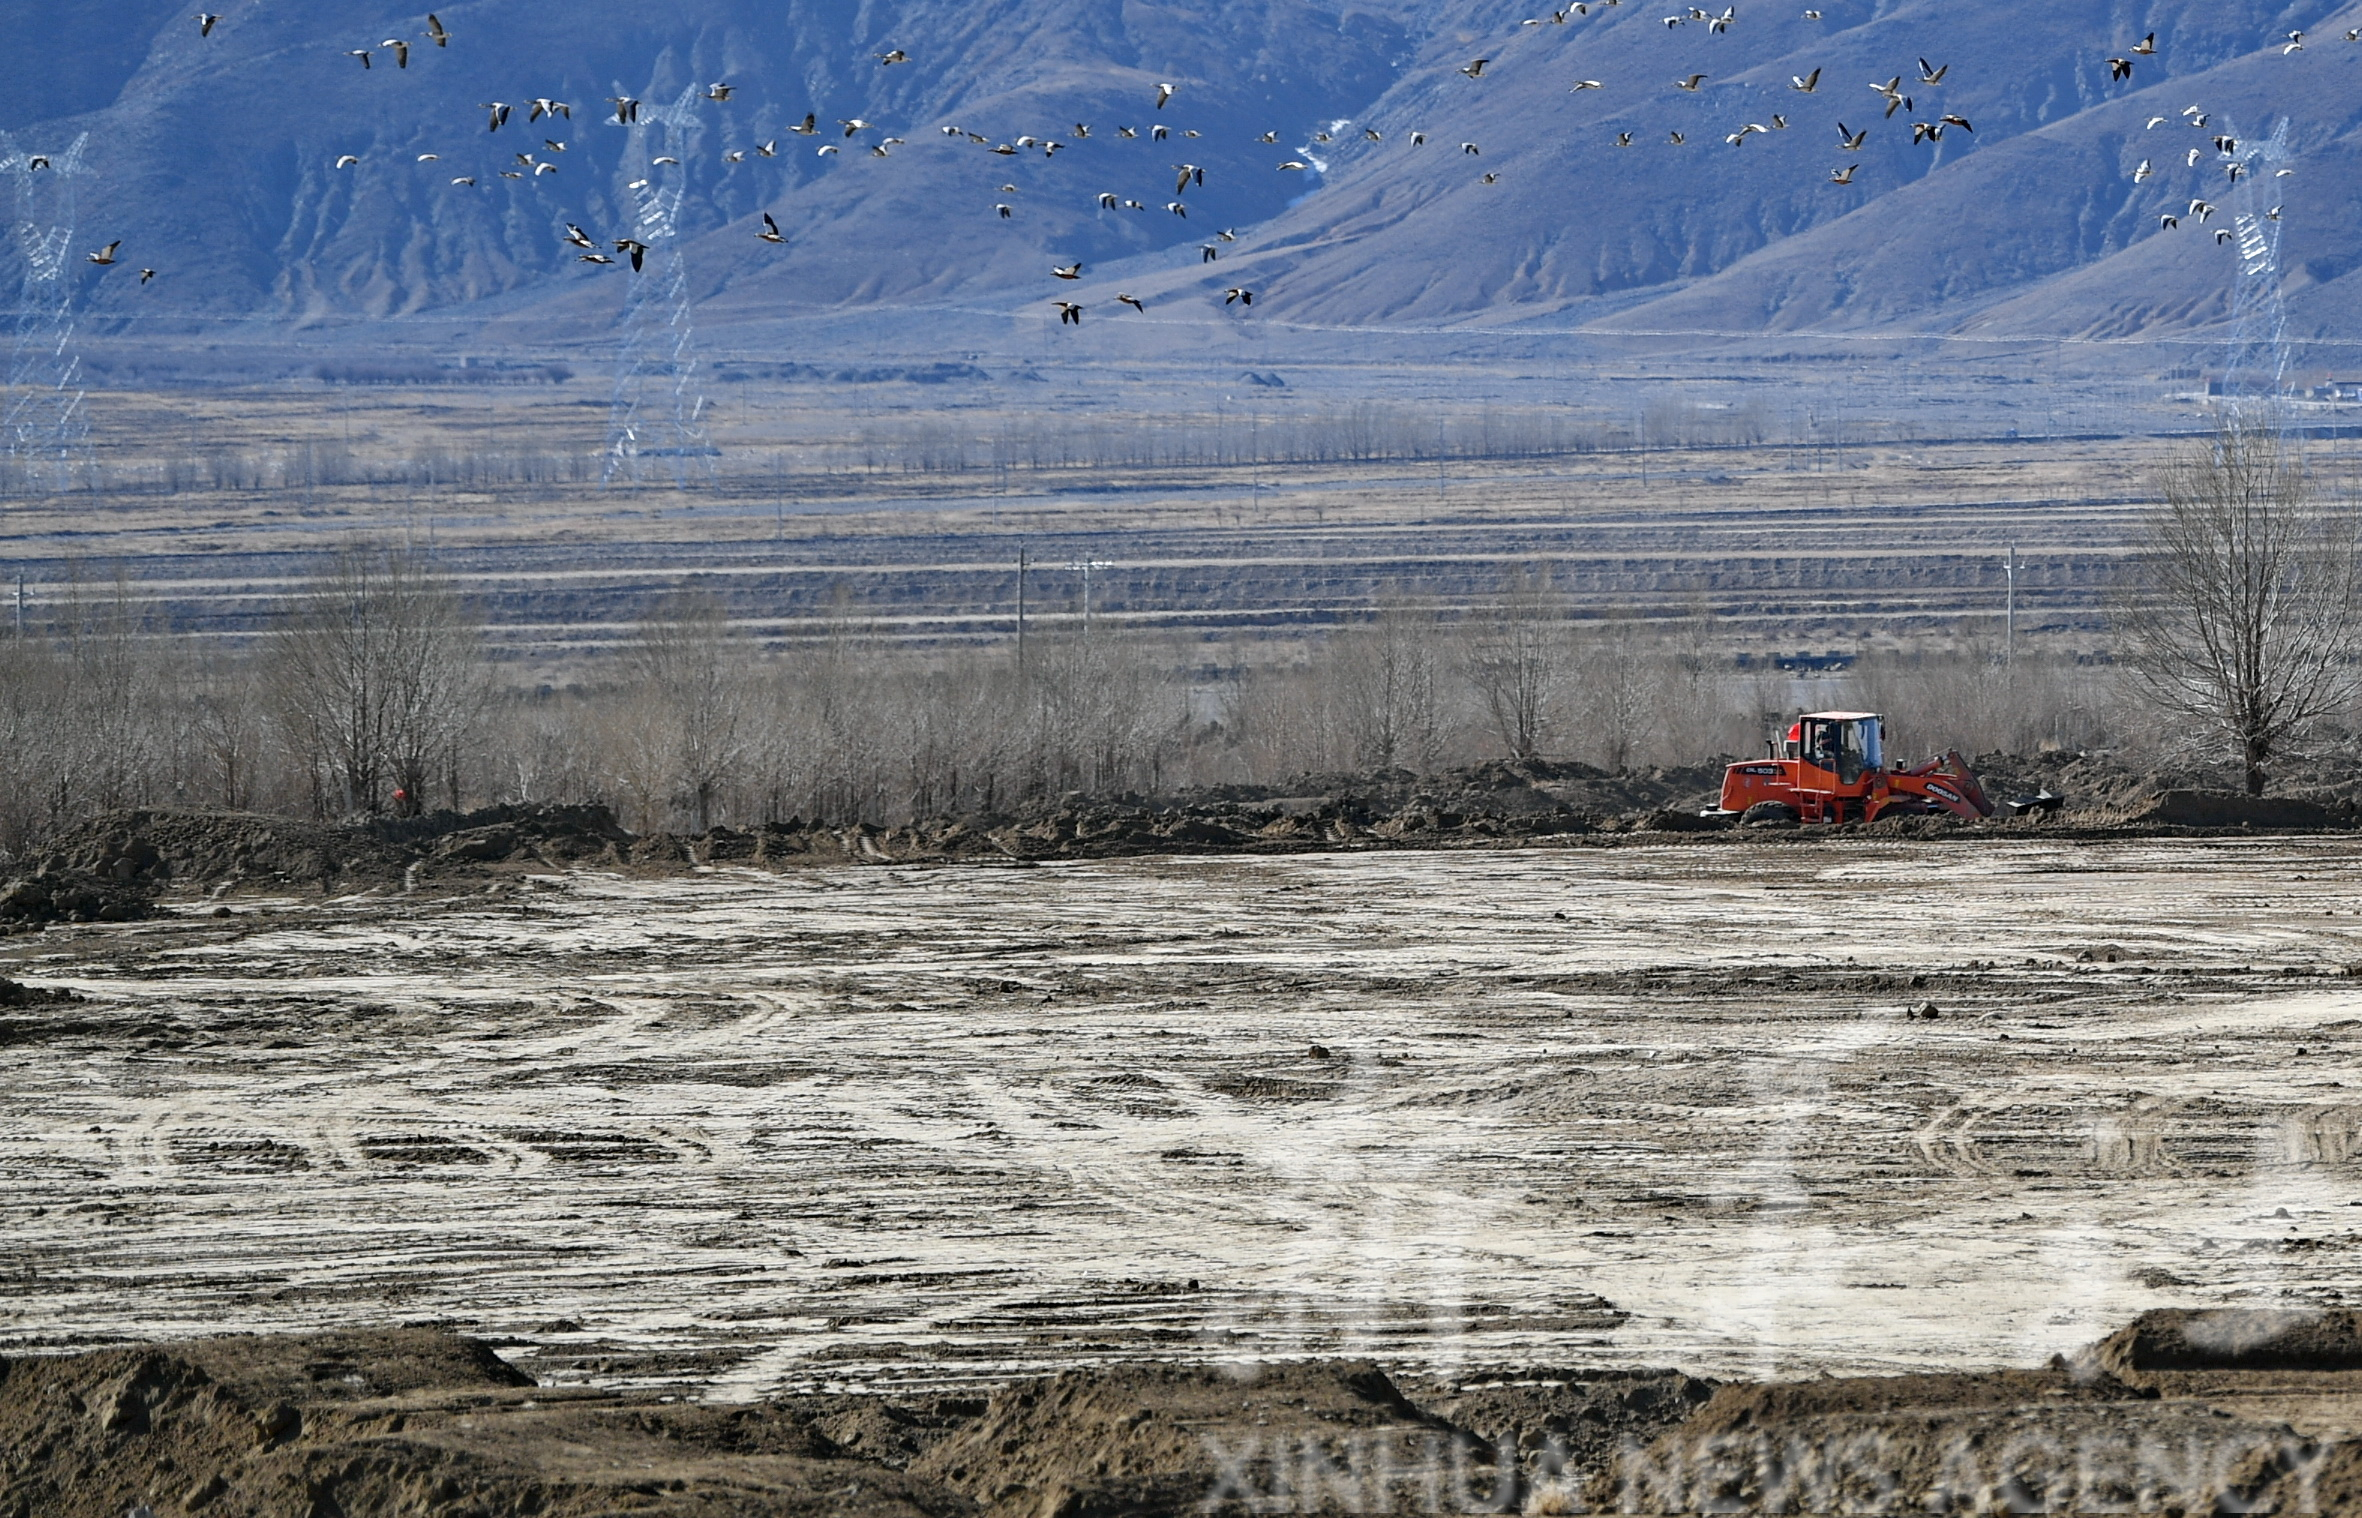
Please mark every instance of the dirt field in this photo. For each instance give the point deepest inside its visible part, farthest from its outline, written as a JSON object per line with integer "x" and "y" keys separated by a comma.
{"x": 737, "y": 1133}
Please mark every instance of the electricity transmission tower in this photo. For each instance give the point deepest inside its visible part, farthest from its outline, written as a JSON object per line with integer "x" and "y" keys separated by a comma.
{"x": 657, "y": 412}
{"x": 2255, "y": 360}
{"x": 44, "y": 430}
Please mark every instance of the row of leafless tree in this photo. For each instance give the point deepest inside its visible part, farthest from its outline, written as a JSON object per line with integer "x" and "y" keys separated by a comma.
{"x": 2240, "y": 637}
{"x": 934, "y": 444}
{"x": 374, "y": 693}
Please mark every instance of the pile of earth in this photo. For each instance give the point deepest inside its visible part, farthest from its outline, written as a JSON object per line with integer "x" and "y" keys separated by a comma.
{"x": 142, "y": 851}
{"x": 111, "y": 867}
{"x": 427, "y": 1422}
{"x": 67, "y": 895}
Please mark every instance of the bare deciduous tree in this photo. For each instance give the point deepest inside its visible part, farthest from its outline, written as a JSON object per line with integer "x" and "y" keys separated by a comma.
{"x": 1619, "y": 669}
{"x": 692, "y": 680}
{"x": 1383, "y": 679}
{"x": 376, "y": 673}
{"x": 2243, "y": 612}
{"x": 1517, "y": 658}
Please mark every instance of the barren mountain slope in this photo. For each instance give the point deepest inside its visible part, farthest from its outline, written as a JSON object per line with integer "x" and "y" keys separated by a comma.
{"x": 217, "y": 159}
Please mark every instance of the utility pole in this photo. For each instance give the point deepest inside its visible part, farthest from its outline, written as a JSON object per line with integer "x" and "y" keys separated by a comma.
{"x": 2010, "y": 624}
{"x": 1086, "y": 566}
{"x": 1022, "y": 561}
{"x": 20, "y": 605}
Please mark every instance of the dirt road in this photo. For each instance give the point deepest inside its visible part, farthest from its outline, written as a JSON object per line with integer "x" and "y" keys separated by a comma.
{"x": 877, "y": 1127}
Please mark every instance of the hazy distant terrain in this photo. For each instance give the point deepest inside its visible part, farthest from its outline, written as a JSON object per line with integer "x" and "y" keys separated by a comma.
{"x": 215, "y": 160}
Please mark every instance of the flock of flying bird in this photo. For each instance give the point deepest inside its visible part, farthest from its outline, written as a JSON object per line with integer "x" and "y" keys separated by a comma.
{"x": 627, "y": 112}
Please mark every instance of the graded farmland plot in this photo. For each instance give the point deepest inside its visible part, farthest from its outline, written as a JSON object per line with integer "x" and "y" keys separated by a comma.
{"x": 1748, "y": 1108}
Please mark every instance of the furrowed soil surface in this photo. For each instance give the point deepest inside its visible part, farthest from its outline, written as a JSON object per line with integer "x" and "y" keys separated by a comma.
{"x": 732, "y": 1133}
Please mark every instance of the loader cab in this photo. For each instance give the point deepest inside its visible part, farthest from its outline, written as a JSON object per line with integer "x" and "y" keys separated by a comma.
{"x": 1837, "y": 749}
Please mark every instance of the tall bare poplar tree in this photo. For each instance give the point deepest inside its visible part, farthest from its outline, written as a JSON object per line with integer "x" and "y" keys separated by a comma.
{"x": 2245, "y": 606}
{"x": 693, "y": 679}
{"x": 1517, "y": 659}
{"x": 376, "y": 673}
{"x": 1383, "y": 683}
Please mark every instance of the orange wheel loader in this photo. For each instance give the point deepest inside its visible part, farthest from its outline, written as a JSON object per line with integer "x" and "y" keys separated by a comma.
{"x": 1832, "y": 768}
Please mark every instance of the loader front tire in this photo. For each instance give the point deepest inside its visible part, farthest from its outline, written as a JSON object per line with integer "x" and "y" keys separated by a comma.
{"x": 1769, "y": 814}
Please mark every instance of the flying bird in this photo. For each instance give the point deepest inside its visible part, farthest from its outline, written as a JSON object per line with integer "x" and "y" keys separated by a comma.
{"x": 401, "y": 51}
{"x": 1587, "y": 84}
{"x": 1164, "y": 92}
{"x": 578, "y": 237}
{"x": 1294, "y": 164}
{"x": 206, "y": 22}
{"x": 627, "y": 110}
{"x": 145, "y": 275}
{"x": 1476, "y": 70}
{"x": 771, "y": 232}
{"x": 496, "y": 114}
{"x": 1844, "y": 175}
{"x": 1208, "y": 253}
{"x": 361, "y": 53}
{"x": 1187, "y": 172}
{"x": 1930, "y": 74}
{"x": 2147, "y": 46}
{"x": 1471, "y": 149}
{"x": 1623, "y": 139}
{"x": 548, "y": 107}
{"x": 809, "y": 126}
{"x": 2119, "y": 68}
{"x": 718, "y": 91}
{"x": 1958, "y": 121}
{"x": 1851, "y": 142}
{"x": 889, "y": 59}
{"x": 1490, "y": 179}
{"x": 2142, "y": 173}
{"x": 106, "y": 255}
{"x": 1069, "y": 314}
{"x": 347, "y": 161}
{"x": 637, "y": 249}
{"x": 1132, "y": 302}
{"x": 1691, "y": 83}
{"x": 1807, "y": 84}
{"x": 1675, "y": 139}
{"x": 1006, "y": 211}
{"x": 435, "y": 32}
{"x": 1069, "y": 271}
{"x": 1238, "y": 295}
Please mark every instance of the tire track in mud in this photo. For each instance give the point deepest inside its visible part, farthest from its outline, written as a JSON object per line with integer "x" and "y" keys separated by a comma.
{"x": 872, "y": 1127}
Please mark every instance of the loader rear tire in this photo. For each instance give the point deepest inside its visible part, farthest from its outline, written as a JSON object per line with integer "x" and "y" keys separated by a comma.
{"x": 1769, "y": 814}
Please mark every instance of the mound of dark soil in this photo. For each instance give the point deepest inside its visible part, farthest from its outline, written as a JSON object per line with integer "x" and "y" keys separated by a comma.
{"x": 2233, "y": 1339}
{"x": 417, "y": 1421}
{"x": 194, "y": 847}
{"x": 136, "y": 850}
{"x": 67, "y": 895}
{"x": 400, "y": 1422}
{"x": 16, "y": 994}
{"x": 2231, "y": 809}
